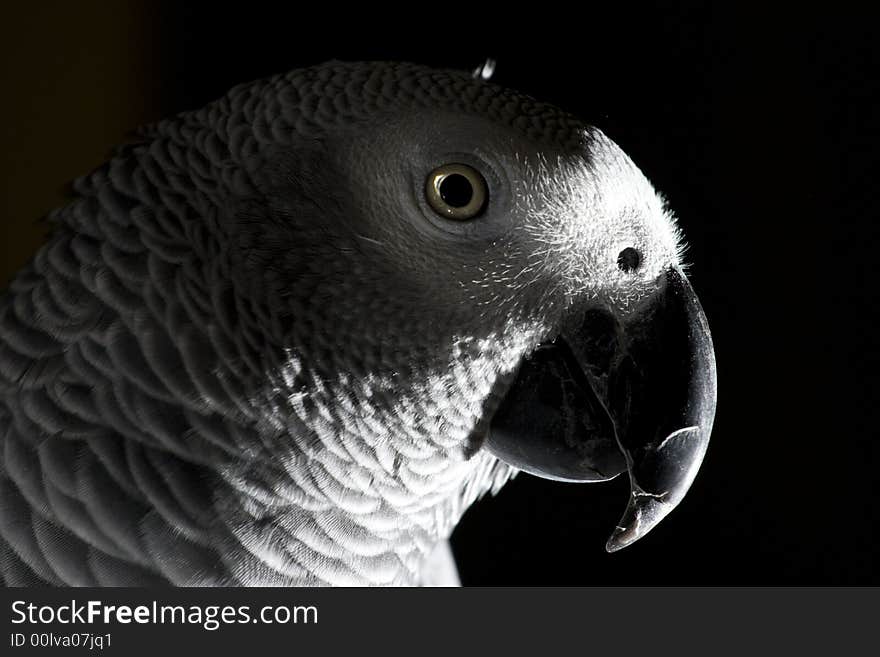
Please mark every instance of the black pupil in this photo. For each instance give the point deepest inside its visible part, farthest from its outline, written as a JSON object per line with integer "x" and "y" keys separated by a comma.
{"x": 456, "y": 190}
{"x": 629, "y": 259}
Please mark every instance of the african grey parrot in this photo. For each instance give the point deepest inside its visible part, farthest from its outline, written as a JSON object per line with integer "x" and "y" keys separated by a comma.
{"x": 289, "y": 338}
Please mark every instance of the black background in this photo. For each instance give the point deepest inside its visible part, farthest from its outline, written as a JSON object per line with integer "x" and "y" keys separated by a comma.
{"x": 760, "y": 128}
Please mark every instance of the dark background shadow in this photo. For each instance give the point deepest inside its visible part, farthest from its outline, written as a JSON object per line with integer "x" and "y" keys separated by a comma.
{"x": 759, "y": 128}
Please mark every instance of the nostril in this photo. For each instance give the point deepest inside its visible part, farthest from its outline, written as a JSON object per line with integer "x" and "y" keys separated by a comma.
{"x": 629, "y": 259}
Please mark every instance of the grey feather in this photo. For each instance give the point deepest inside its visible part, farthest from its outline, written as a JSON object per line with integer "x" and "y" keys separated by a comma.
{"x": 204, "y": 379}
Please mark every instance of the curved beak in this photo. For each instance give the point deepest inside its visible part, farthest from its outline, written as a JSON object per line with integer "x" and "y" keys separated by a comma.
{"x": 634, "y": 392}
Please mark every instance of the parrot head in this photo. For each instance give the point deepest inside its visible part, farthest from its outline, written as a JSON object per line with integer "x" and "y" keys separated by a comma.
{"x": 467, "y": 273}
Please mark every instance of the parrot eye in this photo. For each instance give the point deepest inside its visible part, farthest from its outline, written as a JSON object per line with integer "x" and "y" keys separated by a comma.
{"x": 456, "y": 191}
{"x": 629, "y": 260}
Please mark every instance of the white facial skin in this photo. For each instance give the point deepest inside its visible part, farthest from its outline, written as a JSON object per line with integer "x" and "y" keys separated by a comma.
{"x": 554, "y": 224}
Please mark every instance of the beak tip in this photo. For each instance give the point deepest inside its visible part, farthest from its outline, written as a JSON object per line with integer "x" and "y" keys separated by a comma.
{"x": 627, "y": 532}
{"x": 642, "y": 514}
{"x": 619, "y": 540}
